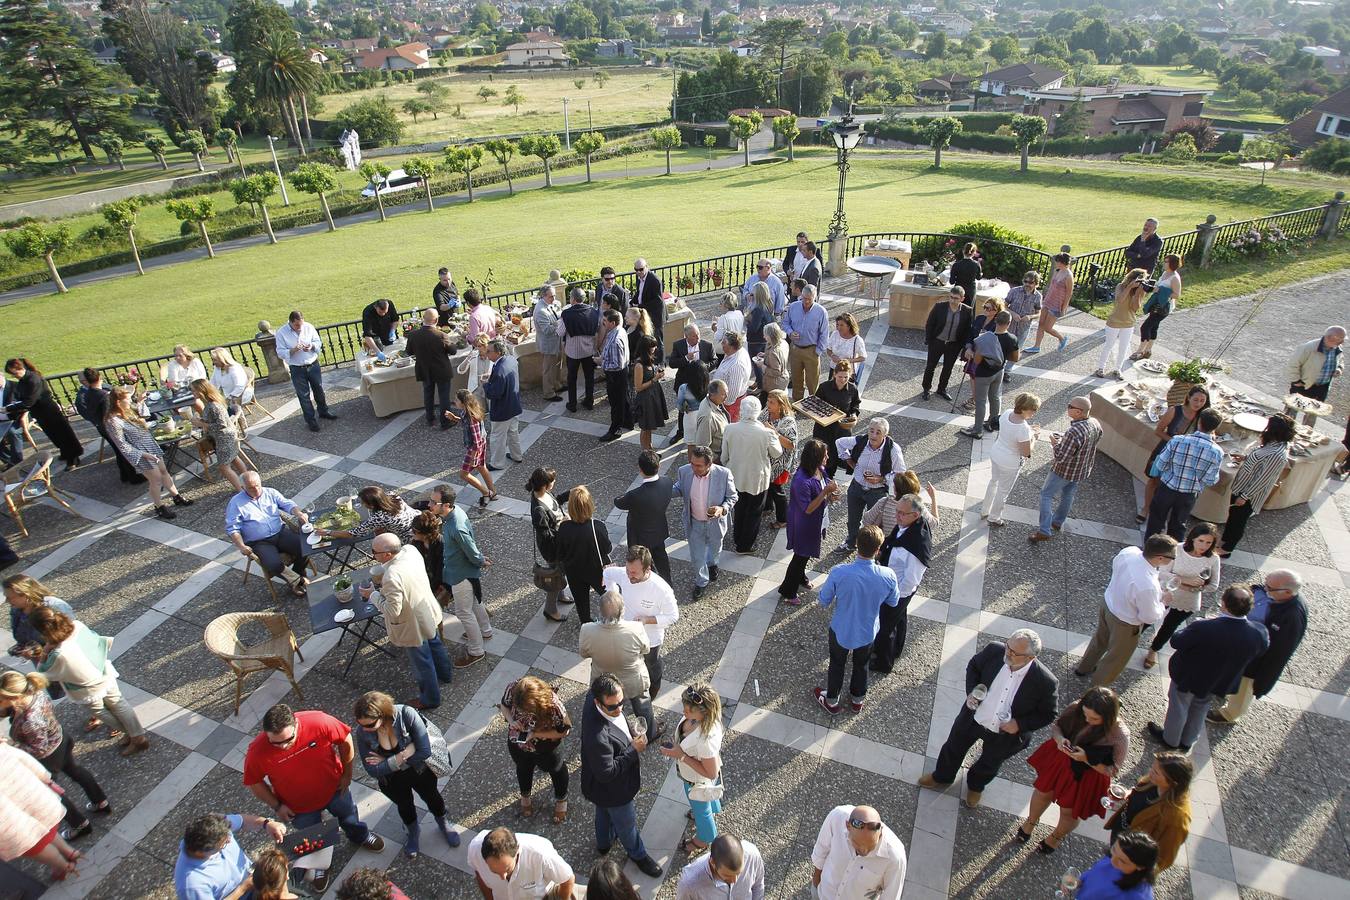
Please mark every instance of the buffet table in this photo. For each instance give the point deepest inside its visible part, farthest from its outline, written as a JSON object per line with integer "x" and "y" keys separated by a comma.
{"x": 911, "y": 303}
{"x": 393, "y": 389}
{"x": 1128, "y": 438}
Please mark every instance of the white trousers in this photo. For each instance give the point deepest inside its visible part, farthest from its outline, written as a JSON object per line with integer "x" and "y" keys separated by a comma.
{"x": 1116, "y": 344}
{"x": 1001, "y": 481}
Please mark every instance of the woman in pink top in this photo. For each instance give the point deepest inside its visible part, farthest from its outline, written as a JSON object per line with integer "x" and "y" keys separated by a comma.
{"x": 1058, "y": 293}
{"x": 30, "y": 809}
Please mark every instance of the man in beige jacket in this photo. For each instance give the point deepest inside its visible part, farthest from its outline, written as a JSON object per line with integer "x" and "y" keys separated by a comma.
{"x": 619, "y": 648}
{"x": 748, "y": 450}
{"x": 1314, "y": 364}
{"x": 411, "y": 615}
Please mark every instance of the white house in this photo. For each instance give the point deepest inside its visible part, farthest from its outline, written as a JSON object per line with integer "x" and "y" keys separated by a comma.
{"x": 536, "y": 54}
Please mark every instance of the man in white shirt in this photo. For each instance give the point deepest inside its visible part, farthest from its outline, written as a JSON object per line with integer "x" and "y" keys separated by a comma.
{"x": 1133, "y": 600}
{"x": 508, "y": 866}
{"x": 732, "y": 869}
{"x": 299, "y": 345}
{"x": 856, "y": 855}
{"x": 734, "y": 371}
{"x": 871, "y": 458}
{"x": 647, "y": 599}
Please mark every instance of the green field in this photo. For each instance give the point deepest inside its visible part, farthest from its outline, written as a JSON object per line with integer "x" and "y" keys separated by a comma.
{"x": 684, "y": 217}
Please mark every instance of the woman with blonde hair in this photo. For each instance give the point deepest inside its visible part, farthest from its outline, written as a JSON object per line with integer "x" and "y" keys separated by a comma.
{"x": 221, "y": 428}
{"x": 778, "y": 416}
{"x": 536, "y": 723}
{"x": 758, "y": 319}
{"x": 78, "y": 658}
{"x": 132, "y": 436}
{"x": 183, "y": 369}
{"x": 1159, "y": 805}
{"x": 34, "y": 727}
{"x": 583, "y": 548}
{"x": 234, "y": 381}
{"x": 1012, "y": 446}
{"x": 697, "y": 751}
{"x": 774, "y": 369}
{"x": 394, "y": 744}
{"x": 24, "y": 595}
{"x": 1120, "y": 324}
{"x": 882, "y": 513}
{"x": 641, "y": 336}
{"x": 731, "y": 319}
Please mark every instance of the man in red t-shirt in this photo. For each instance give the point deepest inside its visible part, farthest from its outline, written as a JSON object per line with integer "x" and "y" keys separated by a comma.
{"x": 301, "y": 765}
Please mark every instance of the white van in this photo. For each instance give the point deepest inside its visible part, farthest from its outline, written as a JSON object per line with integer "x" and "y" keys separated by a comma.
{"x": 397, "y": 182}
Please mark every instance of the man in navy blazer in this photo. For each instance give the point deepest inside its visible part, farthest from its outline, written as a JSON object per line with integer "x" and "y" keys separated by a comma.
{"x": 502, "y": 390}
{"x": 648, "y": 294}
{"x": 611, "y": 771}
{"x": 1021, "y": 697}
{"x": 1209, "y": 659}
{"x": 709, "y": 493}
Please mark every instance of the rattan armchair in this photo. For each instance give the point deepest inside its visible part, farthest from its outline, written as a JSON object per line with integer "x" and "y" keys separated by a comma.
{"x": 277, "y": 652}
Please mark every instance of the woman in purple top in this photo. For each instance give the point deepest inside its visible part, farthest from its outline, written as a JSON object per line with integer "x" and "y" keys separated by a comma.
{"x": 811, "y": 491}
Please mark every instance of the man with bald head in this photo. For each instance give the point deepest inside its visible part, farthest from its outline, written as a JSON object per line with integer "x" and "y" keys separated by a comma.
{"x": 253, "y": 523}
{"x": 1314, "y": 365}
{"x": 732, "y": 869}
{"x": 411, "y": 616}
{"x": 857, "y": 855}
{"x": 649, "y": 294}
{"x": 430, "y": 349}
{"x": 1276, "y": 605}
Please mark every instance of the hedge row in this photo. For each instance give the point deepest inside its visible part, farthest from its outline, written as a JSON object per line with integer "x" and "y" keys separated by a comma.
{"x": 999, "y": 143}
{"x": 342, "y": 204}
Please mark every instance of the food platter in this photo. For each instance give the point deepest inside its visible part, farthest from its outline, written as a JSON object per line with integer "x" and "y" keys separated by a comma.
{"x": 160, "y": 433}
{"x": 338, "y": 520}
{"x": 818, "y": 410}
{"x": 1307, "y": 405}
{"x": 1152, "y": 366}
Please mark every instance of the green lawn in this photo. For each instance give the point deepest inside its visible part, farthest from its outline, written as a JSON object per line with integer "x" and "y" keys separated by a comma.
{"x": 684, "y": 217}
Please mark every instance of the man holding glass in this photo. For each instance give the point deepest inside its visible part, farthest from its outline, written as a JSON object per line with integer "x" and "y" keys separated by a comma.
{"x": 1010, "y": 695}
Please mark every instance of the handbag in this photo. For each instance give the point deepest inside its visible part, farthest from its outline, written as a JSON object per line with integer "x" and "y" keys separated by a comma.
{"x": 706, "y": 793}
{"x": 549, "y": 579}
{"x": 439, "y": 760}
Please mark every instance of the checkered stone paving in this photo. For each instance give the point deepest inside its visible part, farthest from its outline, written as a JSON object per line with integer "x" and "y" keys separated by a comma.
{"x": 1270, "y": 801}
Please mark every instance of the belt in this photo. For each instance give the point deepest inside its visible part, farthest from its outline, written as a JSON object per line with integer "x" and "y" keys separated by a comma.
{"x": 302, "y": 365}
{"x": 804, "y": 346}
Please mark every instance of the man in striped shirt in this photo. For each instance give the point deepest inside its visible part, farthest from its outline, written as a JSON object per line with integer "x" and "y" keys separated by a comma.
{"x": 1187, "y": 465}
{"x": 614, "y": 362}
{"x": 1075, "y": 451}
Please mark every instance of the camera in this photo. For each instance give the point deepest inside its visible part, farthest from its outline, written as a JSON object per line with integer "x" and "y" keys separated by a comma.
{"x": 1149, "y": 284}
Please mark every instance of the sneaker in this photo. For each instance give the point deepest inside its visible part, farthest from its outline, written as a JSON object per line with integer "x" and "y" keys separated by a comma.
{"x": 845, "y": 547}
{"x": 373, "y": 842}
{"x": 1063, "y": 342}
{"x": 972, "y": 432}
{"x": 1030, "y": 350}
{"x": 855, "y": 705}
{"x": 1098, "y": 374}
{"x": 320, "y": 880}
{"x": 998, "y": 523}
{"x": 825, "y": 704}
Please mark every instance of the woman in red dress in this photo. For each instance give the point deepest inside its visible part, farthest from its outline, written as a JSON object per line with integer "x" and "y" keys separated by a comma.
{"x": 1074, "y": 768}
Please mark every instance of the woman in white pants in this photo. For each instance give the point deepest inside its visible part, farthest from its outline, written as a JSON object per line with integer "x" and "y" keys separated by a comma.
{"x": 1119, "y": 325}
{"x": 1012, "y": 444}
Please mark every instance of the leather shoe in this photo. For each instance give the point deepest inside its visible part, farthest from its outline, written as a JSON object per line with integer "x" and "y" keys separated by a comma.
{"x": 1156, "y": 730}
{"x": 329, "y": 416}
{"x": 648, "y": 867}
{"x": 712, "y": 573}
{"x": 925, "y": 395}
{"x": 946, "y": 396}
{"x": 571, "y": 407}
{"x": 313, "y": 426}
{"x": 496, "y": 468}
{"x": 972, "y": 798}
{"x": 696, "y": 592}
{"x": 928, "y": 781}
{"x": 1036, "y": 537}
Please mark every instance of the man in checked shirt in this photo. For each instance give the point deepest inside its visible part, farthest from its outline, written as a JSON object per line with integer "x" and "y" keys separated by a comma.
{"x": 1187, "y": 465}
{"x": 1074, "y": 452}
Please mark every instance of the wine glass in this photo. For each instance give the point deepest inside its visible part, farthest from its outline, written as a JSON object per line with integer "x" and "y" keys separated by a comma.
{"x": 977, "y": 696}
{"x": 1114, "y": 795}
{"x": 1069, "y": 881}
{"x": 637, "y": 726}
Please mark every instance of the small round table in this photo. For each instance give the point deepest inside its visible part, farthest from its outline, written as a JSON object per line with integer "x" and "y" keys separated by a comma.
{"x": 876, "y": 268}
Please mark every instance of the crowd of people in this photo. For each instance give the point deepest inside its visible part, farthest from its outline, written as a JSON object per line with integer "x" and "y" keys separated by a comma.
{"x": 748, "y": 459}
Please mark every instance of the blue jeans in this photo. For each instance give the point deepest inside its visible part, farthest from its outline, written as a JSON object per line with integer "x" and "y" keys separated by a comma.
{"x": 684, "y": 401}
{"x": 306, "y": 379}
{"x": 1056, "y": 486}
{"x": 431, "y": 668}
{"x": 705, "y": 826}
{"x": 619, "y": 822}
{"x": 705, "y": 548}
{"x": 860, "y": 499}
{"x": 344, "y": 807}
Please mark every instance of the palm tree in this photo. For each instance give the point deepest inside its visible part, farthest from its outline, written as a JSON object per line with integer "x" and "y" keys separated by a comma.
{"x": 284, "y": 72}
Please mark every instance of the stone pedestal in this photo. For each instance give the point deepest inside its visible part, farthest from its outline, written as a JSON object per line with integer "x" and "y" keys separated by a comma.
{"x": 277, "y": 371}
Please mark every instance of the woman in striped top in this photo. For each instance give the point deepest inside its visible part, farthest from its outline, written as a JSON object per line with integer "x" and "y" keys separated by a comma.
{"x": 388, "y": 513}
{"x": 1263, "y": 467}
{"x": 130, "y": 434}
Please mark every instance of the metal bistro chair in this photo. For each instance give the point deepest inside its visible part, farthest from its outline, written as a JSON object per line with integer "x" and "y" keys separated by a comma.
{"x": 37, "y": 484}
{"x": 277, "y": 652}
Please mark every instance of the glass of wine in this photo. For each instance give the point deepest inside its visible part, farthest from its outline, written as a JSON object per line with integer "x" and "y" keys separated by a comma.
{"x": 637, "y": 726}
{"x": 1069, "y": 881}
{"x": 977, "y": 696}
{"x": 1114, "y": 795}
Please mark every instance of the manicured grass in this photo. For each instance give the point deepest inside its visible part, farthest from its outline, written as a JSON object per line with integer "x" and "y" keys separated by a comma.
{"x": 684, "y": 217}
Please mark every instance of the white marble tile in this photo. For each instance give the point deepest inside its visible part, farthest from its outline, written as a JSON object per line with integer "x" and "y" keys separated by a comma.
{"x": 167, "y": 720}
{"x": 292, "y": 452}
{"x": 778, "y": 728}
{"x": 178, "y": 538}
{"x": 1285, "y": 879}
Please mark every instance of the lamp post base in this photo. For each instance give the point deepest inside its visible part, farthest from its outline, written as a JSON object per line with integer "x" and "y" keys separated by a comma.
{"x": 838, "y": 259}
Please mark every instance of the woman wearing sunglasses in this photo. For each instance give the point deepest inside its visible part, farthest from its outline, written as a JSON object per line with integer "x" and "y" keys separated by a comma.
{"x": 697, "y": 751}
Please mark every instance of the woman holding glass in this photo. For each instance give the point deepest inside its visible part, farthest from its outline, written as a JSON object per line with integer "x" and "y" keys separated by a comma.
{"x": 808, "y": 518}
{"x": 1126, "y": 872}
{"x": 1074, "y": 767}
{"x": 778, "y": 416}
{"x": 221, "y": 428}
{"x": 1194, "y": 571}
{"x": 697, "y": 751}
{"x": 1159, "y": 806}
{"x": 882, "y": 514}
{"x": 1261, "y": 468}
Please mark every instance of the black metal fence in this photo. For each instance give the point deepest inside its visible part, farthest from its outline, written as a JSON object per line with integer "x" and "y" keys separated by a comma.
{"x": 1002, "y": 259}
{"x": 1296, "y": 224}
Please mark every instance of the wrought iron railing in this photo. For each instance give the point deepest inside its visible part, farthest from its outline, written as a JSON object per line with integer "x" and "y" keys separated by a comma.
{"x": 1002, "y": 259}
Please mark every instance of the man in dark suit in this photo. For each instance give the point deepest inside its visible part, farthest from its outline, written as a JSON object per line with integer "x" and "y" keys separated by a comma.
{"x": 1020, "y": 696}
{"x": 811, "y": 270}
{"x": 610, "y": 287}
{"x": 791, "y": 267}
{"x": 430, "y": 349}
{"x": 502, "y": 390}
{"x": 648, "y": 295}
{"x": 646, "y": 506}
{"x": 688, "y": 355}
{"x": 945, "y": 332}
{"x": 611, "y": 773}
{"x": 1210, "y": 657}
{"x": 1276, "y": 604}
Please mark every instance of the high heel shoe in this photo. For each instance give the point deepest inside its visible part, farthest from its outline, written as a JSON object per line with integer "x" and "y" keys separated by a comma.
{"x": 1045, "y": 849}
{"x": 1022, "y": 836}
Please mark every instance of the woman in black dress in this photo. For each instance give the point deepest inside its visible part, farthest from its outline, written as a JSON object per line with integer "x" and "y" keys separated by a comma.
{"x": 546, "y": 515}
{"x": 583, "y": 550}
{"x": 651, "y": 397}
{"x": 32, "y": 396}
{"x": 967, "y": 270}
{"x": 840, "y": 392}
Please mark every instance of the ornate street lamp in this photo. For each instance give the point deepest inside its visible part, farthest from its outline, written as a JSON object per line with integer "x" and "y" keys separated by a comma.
{"x": 846, "y": 134}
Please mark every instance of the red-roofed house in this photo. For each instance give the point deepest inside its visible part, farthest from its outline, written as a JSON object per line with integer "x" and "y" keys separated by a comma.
{"x": 406, "y": 56}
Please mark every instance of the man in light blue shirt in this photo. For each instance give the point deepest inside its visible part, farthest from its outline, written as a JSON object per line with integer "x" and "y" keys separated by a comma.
{"x": 732, "y": 869}
{"x": 211, "y": 865}
{"x": 298, "y": 345}
{"x": 806, "y": 327}
{"x": 764, "y": 273}
{"x": 858, "y": 590}
{"x": 253, "y": 522}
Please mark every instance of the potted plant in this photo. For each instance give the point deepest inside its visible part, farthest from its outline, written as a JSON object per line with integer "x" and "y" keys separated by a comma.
{"x": 685, "y": 284}
{"x": 1185, "y": 375}
{"x": 343, "y": 587}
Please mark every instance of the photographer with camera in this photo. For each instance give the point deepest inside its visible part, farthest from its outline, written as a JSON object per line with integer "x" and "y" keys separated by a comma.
{"x": 1120, "y": 323}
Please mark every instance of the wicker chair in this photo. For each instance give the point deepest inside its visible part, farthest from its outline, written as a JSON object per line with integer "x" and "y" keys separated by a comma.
{"x": 277, "y": 652}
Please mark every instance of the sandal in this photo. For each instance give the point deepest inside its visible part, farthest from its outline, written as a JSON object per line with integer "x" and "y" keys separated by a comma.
{"x": 1044, "y": 849}
{"x": 482, "y": 501}
{"x": 1150, "y": 659}
{"x": 492, "y": 498}
{"x": 526, "y": 810}
{"x": 94, "y": 724}
{"x": 299, "y": 589}
{"x": 691, "y": 846}
{"x": 1022, "y": 836}
{"x": 559, "y": 812}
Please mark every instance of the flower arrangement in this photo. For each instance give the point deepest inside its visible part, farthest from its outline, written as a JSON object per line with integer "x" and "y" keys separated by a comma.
{"x": 1257, "y": 244}
{"x": 130, "y": 378}
{"x": 713, "y": 274}
{"x": 685, "y": 284}
{"x": 1191, "y": 371}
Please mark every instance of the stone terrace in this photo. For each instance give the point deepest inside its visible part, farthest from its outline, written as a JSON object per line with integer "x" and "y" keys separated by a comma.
{"x": 1270, "y": 801}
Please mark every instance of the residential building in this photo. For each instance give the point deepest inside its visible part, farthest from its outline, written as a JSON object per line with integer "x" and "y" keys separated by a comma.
{"x": 615, "y": 49}
{"x": 741, "y": 47}
{"x": 1329, "y": 118}
{"x": 536, "y": 54}
{"x": 1020, "y": 79}
{"x": 106, "y": 57}
{"x": 954, "y": 25}
{"x": 945, "y": 87}
{"x": 405, "y": 56}
{"x": 1122, "y": 108}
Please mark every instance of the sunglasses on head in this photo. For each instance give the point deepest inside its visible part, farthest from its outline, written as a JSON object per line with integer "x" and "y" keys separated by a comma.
{"x": 864, "y": 826}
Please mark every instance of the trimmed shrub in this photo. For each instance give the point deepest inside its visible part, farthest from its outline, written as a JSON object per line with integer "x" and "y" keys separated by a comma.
{"x": 1002, "y": 251}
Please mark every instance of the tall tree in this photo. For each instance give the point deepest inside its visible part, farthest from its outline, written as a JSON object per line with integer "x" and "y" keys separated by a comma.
{"x": 248, "y": 22}
{"x": 939, "y": 133}
{"x": 49, "y": 74}
{"x": 122, "y": 214}
{"x": 774, "y": 37}
{"x": 159, "y": 49}
{"x": 34, "y": 240}
{"x": 1027, "y": 129}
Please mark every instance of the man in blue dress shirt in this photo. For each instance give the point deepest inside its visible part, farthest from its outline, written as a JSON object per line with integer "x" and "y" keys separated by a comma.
{"x": 806, "y": 327}
{"x": 253, "y": 522}
{"x": 211, "y": 864}
{"x": 858, "y": 590}
{"x": 764, "y": 273}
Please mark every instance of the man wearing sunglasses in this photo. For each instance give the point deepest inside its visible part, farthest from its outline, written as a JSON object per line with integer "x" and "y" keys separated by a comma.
{"x": 509, "y": 866}
{"x": 611, "y": 773}
{"x": 610, "y": 287}
{"x": 1277, "y": 605}
{"x": 856, "y": 855}
{"x": 1024, "y": 302}
{"x": 649, "y": 295}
